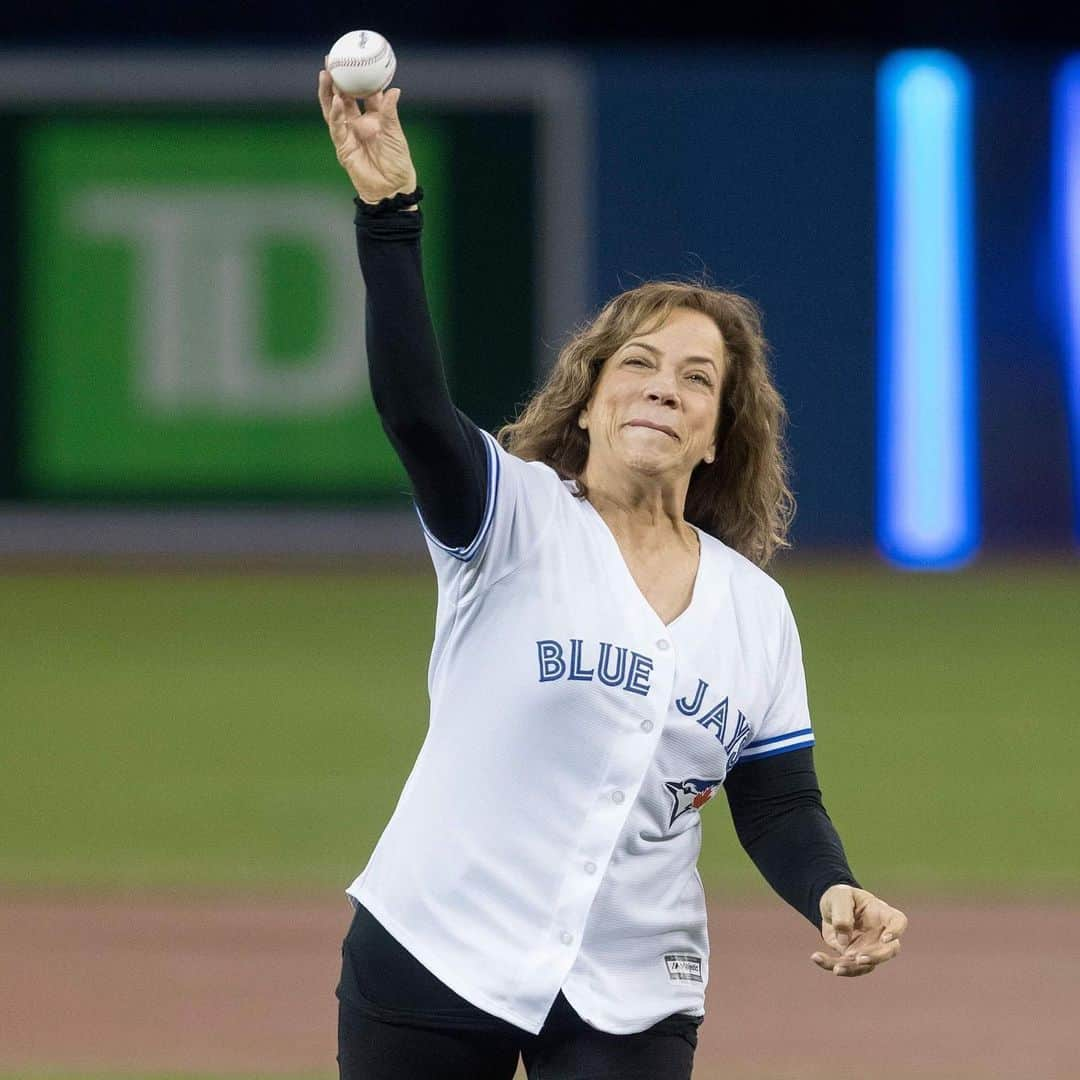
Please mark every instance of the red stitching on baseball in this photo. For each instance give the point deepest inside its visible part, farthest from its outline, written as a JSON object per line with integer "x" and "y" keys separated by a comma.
{"x": 357, "y": 61}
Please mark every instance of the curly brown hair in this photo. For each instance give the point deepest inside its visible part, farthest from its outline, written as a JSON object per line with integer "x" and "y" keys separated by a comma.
{"x": 743, "y": 497}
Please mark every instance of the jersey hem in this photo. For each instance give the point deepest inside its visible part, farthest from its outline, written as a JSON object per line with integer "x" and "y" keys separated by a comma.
{"x": 441, "y": 972}
{"x": 758, "y": 755}
{"x": 467, "y": 552}
{"x": 779, "y": 738}
{"x": 633, "y": 1027}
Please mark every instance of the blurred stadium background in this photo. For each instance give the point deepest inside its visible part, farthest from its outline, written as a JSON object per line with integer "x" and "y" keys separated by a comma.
{"x": 217, "y": 609}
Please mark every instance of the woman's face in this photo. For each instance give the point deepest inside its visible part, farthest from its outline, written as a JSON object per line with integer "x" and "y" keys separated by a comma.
{"x": 655, "y": 406}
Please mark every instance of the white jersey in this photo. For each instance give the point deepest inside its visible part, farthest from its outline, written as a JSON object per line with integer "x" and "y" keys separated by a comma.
{"x": 547, "y": 837}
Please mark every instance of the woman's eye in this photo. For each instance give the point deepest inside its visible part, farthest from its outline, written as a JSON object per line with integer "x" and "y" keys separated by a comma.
{"x": 636, "y": 360}
{"x": 703, "y": 379}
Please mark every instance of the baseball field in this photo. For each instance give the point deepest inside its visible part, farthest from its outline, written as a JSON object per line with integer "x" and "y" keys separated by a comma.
{"x": 197, "y": 763}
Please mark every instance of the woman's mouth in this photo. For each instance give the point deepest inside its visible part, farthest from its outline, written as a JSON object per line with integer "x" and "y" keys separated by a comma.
{"x": 655, "y": 427}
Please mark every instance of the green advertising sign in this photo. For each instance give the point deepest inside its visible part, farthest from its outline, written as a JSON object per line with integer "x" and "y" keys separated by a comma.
{"x": 196, "y": 311}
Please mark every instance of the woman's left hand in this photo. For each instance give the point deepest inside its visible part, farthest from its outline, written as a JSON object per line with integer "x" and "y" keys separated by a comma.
{"x": 862, "y": 929}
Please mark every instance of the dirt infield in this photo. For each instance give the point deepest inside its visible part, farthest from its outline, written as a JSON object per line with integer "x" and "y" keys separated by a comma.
{"x": 247, "y": 986}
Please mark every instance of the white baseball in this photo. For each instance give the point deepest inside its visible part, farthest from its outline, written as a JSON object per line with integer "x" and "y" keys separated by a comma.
{"x": 361, "y": 63}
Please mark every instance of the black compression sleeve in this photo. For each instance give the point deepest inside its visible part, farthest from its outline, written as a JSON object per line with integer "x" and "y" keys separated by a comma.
{"x": 442, "y": 450}
{"x": 781, "y": 822}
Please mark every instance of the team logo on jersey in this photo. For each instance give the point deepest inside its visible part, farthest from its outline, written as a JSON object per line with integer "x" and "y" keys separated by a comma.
{"x": 687, "y": 795}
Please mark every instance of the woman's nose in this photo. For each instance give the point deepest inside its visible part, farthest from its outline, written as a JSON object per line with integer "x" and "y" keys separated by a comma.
{"x": 662, "y": 390}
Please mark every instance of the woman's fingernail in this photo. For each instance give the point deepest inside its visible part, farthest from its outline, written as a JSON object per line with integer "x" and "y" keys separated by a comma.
{"x": 886, "y": 936}
{"x": 864, "y": 959}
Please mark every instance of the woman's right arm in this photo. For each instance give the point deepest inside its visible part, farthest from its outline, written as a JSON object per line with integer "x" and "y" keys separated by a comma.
{"x": 442, "y": 450}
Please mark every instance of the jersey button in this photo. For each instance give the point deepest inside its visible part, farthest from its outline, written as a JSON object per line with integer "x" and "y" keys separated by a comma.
{"x": 646, "y": 725}
{"x": 590, "y": 868}
{"x": 663, "y": 645}
{"x": 566, "y": 937}
{"x": 617, "y": 797}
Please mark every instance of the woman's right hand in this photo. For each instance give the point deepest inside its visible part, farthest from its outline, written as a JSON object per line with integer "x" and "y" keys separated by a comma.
{"x": 370, "y": 145}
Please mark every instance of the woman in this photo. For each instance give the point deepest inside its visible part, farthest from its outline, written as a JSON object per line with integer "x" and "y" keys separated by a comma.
{"x": 606, "y": 651}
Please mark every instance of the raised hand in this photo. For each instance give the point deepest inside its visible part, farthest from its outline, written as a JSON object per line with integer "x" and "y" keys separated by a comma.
{"x": 370, "y": 144}
{"x": 863, "y": 930}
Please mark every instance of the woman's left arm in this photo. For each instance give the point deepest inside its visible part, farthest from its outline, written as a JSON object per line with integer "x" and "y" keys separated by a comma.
{"x": 781, "y": 823}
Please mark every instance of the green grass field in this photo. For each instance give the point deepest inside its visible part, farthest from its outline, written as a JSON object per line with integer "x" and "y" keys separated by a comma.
{"x": 221, "y": 730}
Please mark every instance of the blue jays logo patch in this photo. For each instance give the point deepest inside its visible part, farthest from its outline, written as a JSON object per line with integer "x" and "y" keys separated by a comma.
{"x": 687, "y": 795}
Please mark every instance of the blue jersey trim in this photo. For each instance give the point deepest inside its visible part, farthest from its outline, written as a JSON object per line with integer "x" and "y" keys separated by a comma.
{"x": 744, "y": 756}
{"x": 466, "y": 553}
{"x": 778, "y": 738}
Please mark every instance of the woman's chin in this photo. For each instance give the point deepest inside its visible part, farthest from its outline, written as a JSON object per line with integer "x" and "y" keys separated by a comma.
{"x": 647, "y": 463}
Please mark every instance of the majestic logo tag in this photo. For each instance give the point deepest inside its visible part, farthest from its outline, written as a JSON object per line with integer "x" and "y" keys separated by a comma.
{"x": 683, "y": 968}
{"x": 687, "y": 795}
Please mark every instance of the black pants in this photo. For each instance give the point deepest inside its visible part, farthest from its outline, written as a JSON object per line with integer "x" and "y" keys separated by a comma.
{"x": 396, "y": 1021}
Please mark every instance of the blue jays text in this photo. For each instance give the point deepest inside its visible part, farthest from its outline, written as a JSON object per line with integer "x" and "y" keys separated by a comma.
{"x": 622, "y": 667}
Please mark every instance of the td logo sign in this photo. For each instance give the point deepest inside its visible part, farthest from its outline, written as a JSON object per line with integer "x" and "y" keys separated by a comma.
{"x": 195, "y": 309}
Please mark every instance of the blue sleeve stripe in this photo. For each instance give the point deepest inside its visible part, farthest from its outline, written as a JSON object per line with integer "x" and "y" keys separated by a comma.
{"x": 779, "y": 738}
{"x": 465, "y": 554}
{"x": 754, "y": 756}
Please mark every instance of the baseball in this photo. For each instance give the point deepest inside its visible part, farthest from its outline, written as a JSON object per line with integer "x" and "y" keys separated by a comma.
{"x": 361, "y": 63}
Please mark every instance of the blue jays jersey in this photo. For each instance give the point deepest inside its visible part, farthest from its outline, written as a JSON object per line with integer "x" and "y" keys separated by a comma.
{"x": 547, "y": 837}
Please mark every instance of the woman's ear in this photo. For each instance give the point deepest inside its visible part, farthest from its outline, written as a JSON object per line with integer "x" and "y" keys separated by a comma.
{"x": 583, "y": 420}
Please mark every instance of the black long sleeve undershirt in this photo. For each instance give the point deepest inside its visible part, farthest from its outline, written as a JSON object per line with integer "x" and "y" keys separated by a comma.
{"x": 441, "y": 448}
{"x": 775, "y": 802}
{"x": 782, "y": 824}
